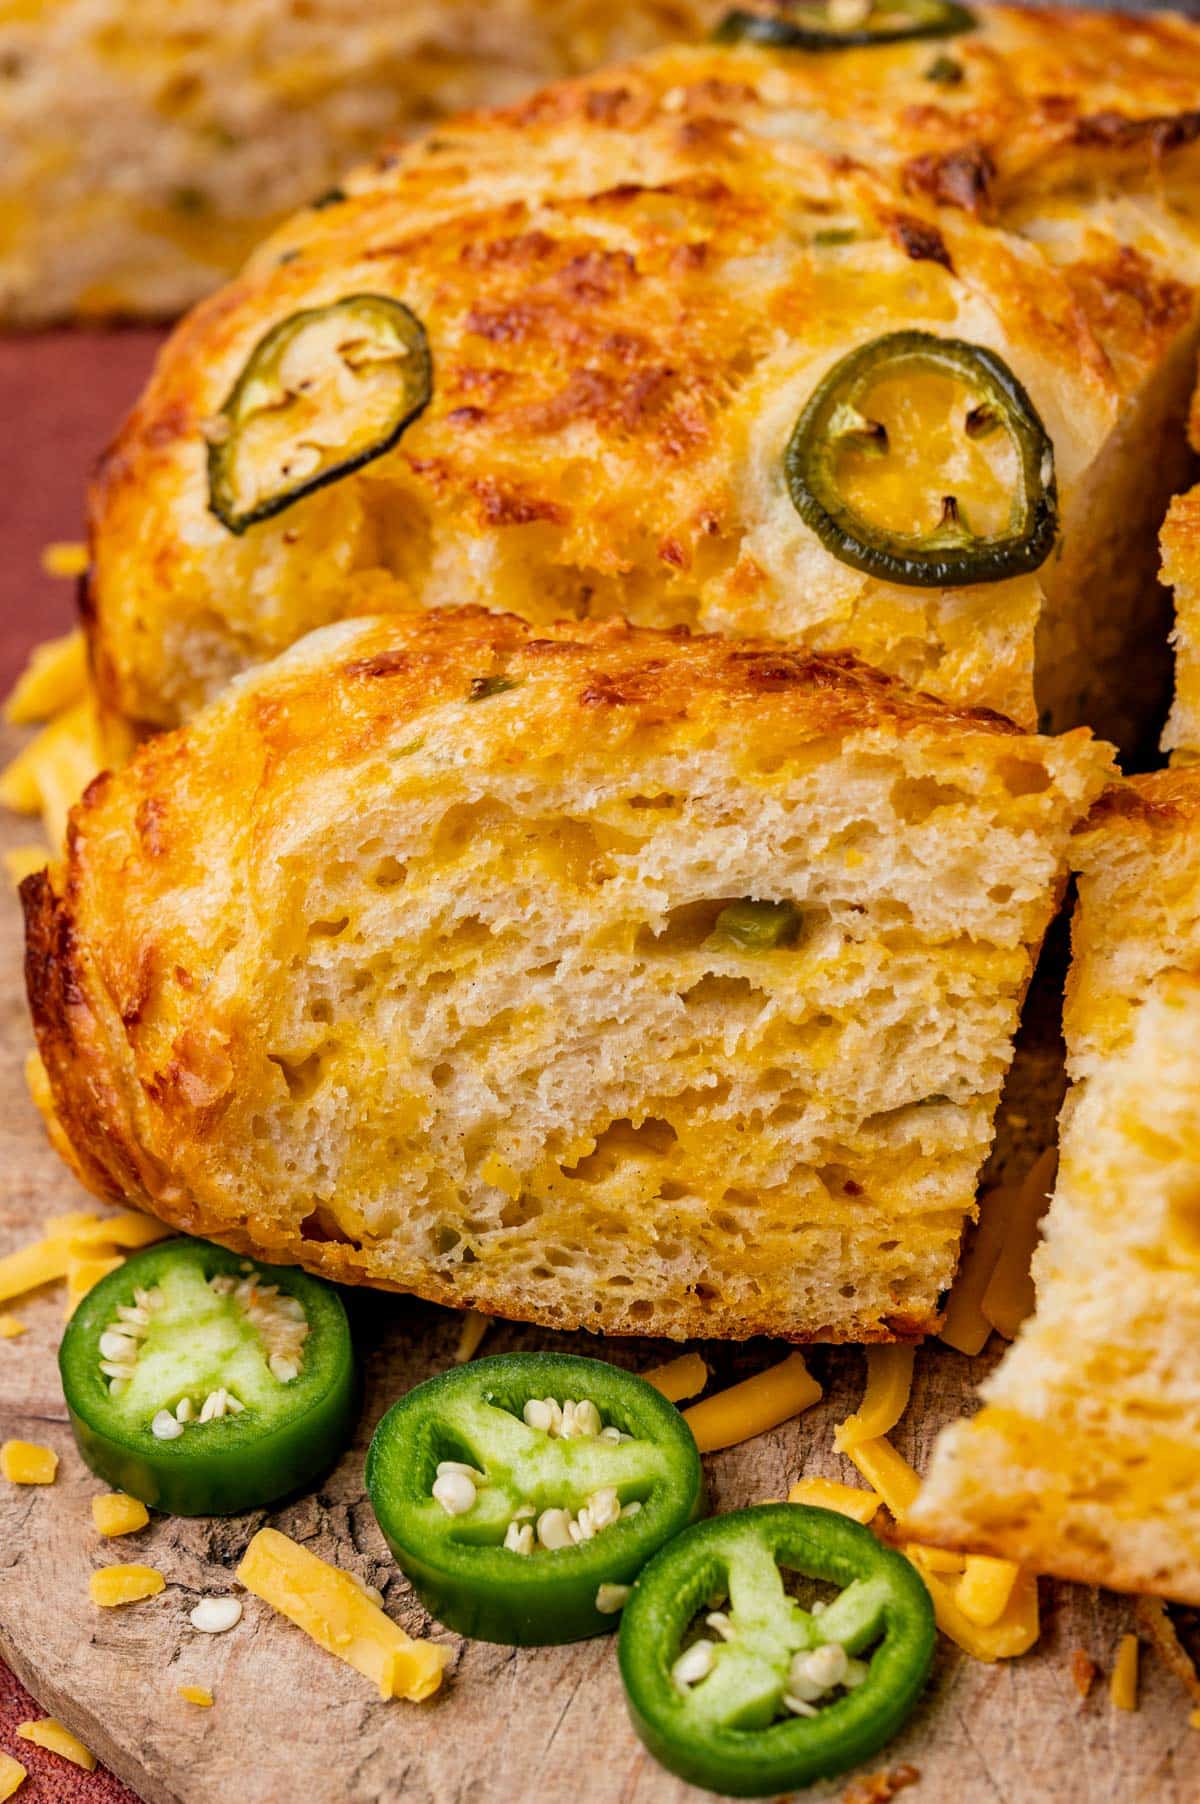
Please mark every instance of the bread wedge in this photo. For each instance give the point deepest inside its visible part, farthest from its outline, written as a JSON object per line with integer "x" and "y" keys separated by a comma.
{"x": 631, "y": 287}
{"x": 146, "y": 145}
{"x": 592, "y": 976}
{"x": 1085, "y": 1459}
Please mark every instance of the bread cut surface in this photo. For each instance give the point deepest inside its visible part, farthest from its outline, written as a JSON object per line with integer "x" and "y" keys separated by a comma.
{"x": 408, "y": 960}
{"x": 632, "y": 285}
{"x": 1180, "y": 544}
{"x": 1085, "y": 1458}
{"x": 146, "y": 145}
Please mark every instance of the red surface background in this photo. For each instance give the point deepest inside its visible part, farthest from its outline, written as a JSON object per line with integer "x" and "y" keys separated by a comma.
{"x": 61, "y": 397}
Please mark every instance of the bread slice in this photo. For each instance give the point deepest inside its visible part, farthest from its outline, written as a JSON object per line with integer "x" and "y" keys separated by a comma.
{"x": 146, "y": 145}
{"x": 631, "y": 287}
{"x": 410, "y": 960}
{"x": 1085, "y": 1459}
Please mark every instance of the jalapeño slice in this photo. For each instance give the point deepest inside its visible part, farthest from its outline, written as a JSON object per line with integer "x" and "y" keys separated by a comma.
{"x": 204, "y": 1383}
{"x": 734, "y": 1685}
{"x": 324, "y": 392}
{"x": 838, "y": 25}
{"x": 524, "y": 1493}
{"x": 838, "y": 440}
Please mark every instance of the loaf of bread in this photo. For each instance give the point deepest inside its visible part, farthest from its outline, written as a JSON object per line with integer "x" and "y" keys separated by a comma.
{"x": 597, "y": 976}
{"x": 629, "y": 289}
{"x": 146, "y": 145}
{"x": 1085, "y": 1459}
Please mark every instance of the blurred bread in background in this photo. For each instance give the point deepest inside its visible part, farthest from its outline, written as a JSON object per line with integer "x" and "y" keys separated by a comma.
{"x": 146, "y": 145}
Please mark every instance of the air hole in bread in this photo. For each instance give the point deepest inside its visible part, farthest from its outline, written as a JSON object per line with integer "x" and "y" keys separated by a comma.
{"x": 322, "y": 1225}
{"x": 1022, "y": 777}
{"x": 303, "y": 1076}
{"x": 621, "y": 1140}
{"x": 916, "y": 798}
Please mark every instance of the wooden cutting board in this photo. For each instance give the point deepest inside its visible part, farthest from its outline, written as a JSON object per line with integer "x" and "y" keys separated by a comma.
{"x": 290, "y": 1722}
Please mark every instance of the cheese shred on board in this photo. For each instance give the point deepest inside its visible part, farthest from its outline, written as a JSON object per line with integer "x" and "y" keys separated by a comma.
{"x": 49, "y": 1733}
{"x": 1123, "y": 1685}
{"x": 25, "y": 1463}
{"x": 679, "y": 1378}
{"x": 331, "y": 1608}
{"x": 750, "y": 1408}
{"x": 828, "y": 1494}
{"x": 889, "y": 1385}
{"x": 111, "y": 1586}
{"x": 1014, "y": 1625}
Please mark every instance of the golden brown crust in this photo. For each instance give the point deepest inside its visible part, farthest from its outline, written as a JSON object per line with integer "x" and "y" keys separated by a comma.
{"x": 628, "y": 301}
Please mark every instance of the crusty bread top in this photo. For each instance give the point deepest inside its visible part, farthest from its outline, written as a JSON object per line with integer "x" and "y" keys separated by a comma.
{"x": 630, "y": 290}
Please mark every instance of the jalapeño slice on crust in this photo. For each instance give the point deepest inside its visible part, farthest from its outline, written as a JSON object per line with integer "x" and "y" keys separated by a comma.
{"x": 962, "y": 492}
{"x": 324, "y": 392}
{"x": 733, "y": 1684}
{"x": 204, "y": 1383}
{"x": 841, "y": 24}
{"x": 523, "y": 1494}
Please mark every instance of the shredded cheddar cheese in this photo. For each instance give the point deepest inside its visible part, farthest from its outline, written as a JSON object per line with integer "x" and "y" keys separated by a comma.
{"x": 84, "y": 1274}
{"x": 679, "y": 1378}
{"x": 10, "y": 1326}
{"x": 984, "y": 1590}
{"x": 827, "y": 1494}
{"x": 196, "y": 1694}
{"x": 75, "y": 1239}
{"x": 1011, "y": 1634}
{"x": 12, "y": 1775}
{"x": 889, "y": 1472}
{"x": 128, "y": 1229}
{"x": 54, "y": 678}
{"x": 750, "y": 1408}
{"x": 116, "y": 1514}
{"x": 1013, "y": 1627}
{"x": 65, "y": 558}
{"x": 43, "y": 1262}
{"x": 111, "y": 1586}
{"x": 49, "y": 775}
{"x": 1123, "y": 1685}
{"x": 49, "y": 1733}
{"x": 1009, "y": 1296}
{"x": 25, "y": 1463}
{"x": 337, "y": 1614}
{"x": 966, "y": 1328}
{"x": 889, "y": 1384}
{"x": 935, "y": 1559}
{"x": 474, "y": 1327}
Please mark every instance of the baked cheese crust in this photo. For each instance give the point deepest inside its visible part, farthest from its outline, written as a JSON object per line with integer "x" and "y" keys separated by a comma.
{"x": 1083, "y": 1460}
{"x": 632, "y": 284}
{"x": 409, "y": 961}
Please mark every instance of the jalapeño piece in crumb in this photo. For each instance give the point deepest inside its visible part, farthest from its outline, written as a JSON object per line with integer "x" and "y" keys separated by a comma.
{"x": 524, "y": 1493}
{"x": 757, "y": 926}
{"x": 324, "y": 392}
{"x": 204, "y": 1383}
{"x": 837, "y": 431}
{"x": 842, "y": 24}
{"x": 733, "y": 1684}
